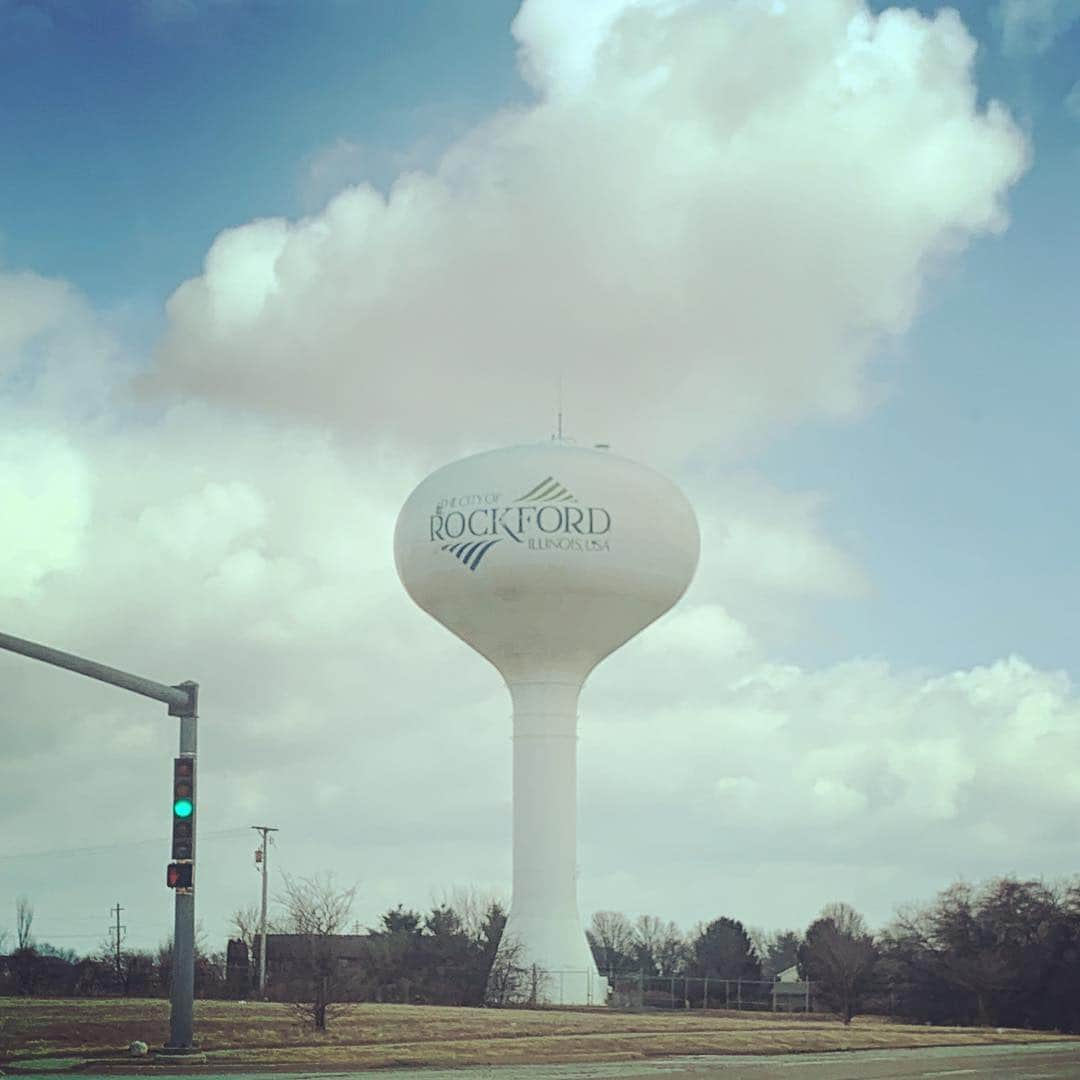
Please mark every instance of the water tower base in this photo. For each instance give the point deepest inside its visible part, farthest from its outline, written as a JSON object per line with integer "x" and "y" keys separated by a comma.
{"x": 545, "y": 961}
{"x": 537, "y": 986}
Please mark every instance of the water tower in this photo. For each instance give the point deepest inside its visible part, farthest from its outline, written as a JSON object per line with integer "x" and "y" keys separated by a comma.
{"x": 545, "y": 559}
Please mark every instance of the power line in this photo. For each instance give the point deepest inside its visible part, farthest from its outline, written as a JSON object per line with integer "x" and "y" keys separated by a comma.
{"x": 56, "y": 853}
{"x": 47, "y": 938}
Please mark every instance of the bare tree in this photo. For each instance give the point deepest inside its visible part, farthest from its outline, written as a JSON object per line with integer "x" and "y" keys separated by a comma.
{"x": 659, "y": 947}
{"x": 24, "y": 920}
{"x": 839, "y": 954}
{"x": 472, "y": 906}
{"x": 512, "y": 981}
{"x": 958, "y": 944}
{"x": 245, "y": 924}
{"x": 611, "y": 936}
{"x": 132, "y": 972}
{"x": 315, "y": 905}
{"x": 25, "y": 959}
{"x": 316, "y": 909}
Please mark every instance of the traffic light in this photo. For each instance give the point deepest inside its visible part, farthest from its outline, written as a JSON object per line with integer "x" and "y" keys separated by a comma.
{"x": 178, "y": 875}
{"x": 183, "y": 808}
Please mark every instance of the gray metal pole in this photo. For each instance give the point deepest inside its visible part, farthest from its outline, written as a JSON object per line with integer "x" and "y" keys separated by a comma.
{"x": 119, "y": 966}
{"x": 262, "y": 923}
{"x": 264, "y": 829}
{"x": 178, "y": 698}
{"x": 182, "y": 996}
{"x": 183, "y": 702}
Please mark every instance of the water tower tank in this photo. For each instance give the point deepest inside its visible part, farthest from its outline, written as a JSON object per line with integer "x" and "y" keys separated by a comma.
{"x": 545, "y": 559}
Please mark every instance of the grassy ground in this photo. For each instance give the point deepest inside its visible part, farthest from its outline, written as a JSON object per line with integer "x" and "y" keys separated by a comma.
{"x": 267, "y": 1036}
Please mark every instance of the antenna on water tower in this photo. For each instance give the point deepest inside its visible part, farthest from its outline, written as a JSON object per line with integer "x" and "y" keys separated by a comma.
{"x": 558, "y": 399}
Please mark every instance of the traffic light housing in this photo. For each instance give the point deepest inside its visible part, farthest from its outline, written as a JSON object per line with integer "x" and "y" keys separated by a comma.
{"x": 183, "y": 808}
{"x": 179, "y": 875}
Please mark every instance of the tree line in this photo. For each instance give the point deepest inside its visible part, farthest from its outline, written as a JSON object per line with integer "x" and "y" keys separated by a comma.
{"x": 442, "y": 958}
{"x": 29, "y": 966}
{"x": 1004, "y": 953}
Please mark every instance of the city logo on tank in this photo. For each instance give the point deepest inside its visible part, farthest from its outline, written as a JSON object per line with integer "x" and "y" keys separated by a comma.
{"x": 546, "y": 518}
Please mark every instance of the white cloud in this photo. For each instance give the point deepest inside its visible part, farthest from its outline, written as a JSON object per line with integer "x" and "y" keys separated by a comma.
{"x": 346, "y": 163}
{"x": 854, "y": 780}
{"x": 772, "y": 542}
{"x": 52, "y": 342}
{"x": 339, "y": 165}
{"x": 1032, "y": 26}
{"x": 31, "y": 305}
{"x": 836, "y": 801}
{"x": 1072, "y": 101}
{"x": 709, "y": 242}
{"x": 44, "y": 492}
{"x": 255, "y": 557}
{"x": 707, "y": 222}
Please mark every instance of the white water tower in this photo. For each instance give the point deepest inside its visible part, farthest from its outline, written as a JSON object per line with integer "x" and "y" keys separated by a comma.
{"x": 545, "y": 559}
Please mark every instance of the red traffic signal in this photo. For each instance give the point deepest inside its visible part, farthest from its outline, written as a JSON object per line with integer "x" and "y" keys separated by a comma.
{"x": 178, "y": 875}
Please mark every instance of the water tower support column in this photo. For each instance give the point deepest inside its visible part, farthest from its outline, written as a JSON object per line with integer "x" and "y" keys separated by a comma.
{"x": 544, "y": 915}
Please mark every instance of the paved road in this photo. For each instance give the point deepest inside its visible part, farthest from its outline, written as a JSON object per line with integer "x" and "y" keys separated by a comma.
{"x": 1042, "y": 1060}
{"x": 1037, "y": 1061}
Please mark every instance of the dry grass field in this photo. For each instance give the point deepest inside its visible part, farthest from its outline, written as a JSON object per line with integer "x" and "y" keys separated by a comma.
{"x": 267, "y": 1036}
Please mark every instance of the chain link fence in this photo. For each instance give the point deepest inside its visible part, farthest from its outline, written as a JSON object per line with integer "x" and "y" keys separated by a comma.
{"x": 642, "y": 991}
{"x": 509, "y": 984}
{"x": 513, "y": 985}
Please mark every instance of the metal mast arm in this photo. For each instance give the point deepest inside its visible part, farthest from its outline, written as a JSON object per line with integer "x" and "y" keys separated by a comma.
{"x": 182, "y": 700}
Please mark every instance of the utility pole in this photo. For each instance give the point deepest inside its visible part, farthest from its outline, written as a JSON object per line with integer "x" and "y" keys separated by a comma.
{"x": 119, "y": 966}
{"x": 183, "y": 702}
{"x": 261, "y": 857}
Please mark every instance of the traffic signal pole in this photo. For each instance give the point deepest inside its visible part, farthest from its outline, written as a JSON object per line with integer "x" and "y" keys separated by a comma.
{"x": 182, "y": 995}
{"x": 183, "y": 702}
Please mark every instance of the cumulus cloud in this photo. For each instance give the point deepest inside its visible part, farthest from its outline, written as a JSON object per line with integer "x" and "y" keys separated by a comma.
{"x": 854, "y": 780}
{"x": 707, "y": 222}
{"x": 345, "y": 163}
{"x": 44, "y": 493}
{"x": 255, "y": 556}
{"x": 708, "y": 243}
{"x": 331, "y": 168}
{"x": 1072, "y": 101}
{"x": 1032, "y": 26}
{"x": 58, "y": 357}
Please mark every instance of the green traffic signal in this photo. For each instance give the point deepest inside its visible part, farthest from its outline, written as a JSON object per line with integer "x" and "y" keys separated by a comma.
{"x": 183, "y": 808}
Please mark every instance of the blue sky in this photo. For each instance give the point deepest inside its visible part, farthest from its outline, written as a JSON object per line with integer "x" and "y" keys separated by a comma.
{"x": 956, "y": 492}
{"x": 896, "y": 548}
{"x": 134, "y": 133}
